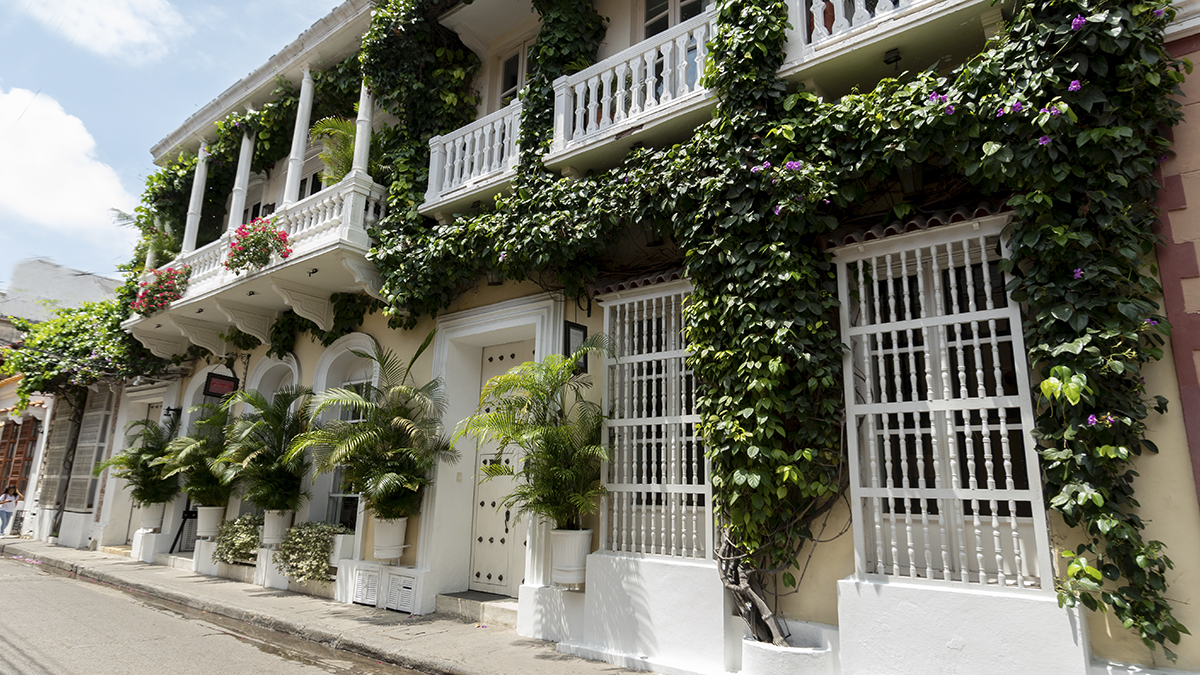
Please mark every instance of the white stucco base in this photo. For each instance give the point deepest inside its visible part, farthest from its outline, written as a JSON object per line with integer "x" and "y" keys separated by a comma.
{"x": 899, "y": 627}
{"x": 146, "y": 544}
{"x": 202, "y": 559}
{"x": 813, "y": 651}
{"x": 550, "y": 613}
{"x": 649, "y": 613}
{"x": 265, "y": 573}
{"x": 76, "y": 530}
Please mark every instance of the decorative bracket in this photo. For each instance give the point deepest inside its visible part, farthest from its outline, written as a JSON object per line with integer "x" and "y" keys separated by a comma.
{"x": 162, "y": 347}
{"x": 202, "y": 333}
{"x": 309, "y": 303}
{"x": 365, "y": 275}
{"x": 249, "y": 319}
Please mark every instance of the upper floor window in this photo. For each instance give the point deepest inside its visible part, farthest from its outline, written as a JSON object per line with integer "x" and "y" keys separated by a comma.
{"x": 661, "y": 15}
{"x": 511, "y": 73}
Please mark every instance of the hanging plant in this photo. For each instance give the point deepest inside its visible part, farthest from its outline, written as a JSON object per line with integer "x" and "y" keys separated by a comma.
{"x": 166, "y": 287}
{"x": 253, "y": 245}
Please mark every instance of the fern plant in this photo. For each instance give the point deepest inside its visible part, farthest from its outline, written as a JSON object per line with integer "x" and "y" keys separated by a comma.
{"x": 194, "y": 458}
{"x": 540, "y": 409}
{"x": 258, "y": 444}
{"x": 140, "y": 464}
{"x": 389, "y": 453}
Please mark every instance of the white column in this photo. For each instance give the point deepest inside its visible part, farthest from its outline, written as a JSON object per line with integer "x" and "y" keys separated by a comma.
{"x": 362, "y": 136}
{"x": 291, "y": 190}
{"x": 197, "y": 200}
{"x": 240, "y": 182}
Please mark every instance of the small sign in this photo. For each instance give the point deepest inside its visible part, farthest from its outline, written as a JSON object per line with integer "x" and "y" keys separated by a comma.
{"x": 220, "y": 386}
{"x": 573, "y": 338}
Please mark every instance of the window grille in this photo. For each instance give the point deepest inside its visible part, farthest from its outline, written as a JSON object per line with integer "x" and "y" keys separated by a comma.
{"x": 659, "y": 494}
{"x": 944, "y": 474}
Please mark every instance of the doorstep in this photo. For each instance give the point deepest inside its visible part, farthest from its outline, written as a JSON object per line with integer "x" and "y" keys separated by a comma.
{"x": 488, "y": 609}
{"x": 126, "y": 551}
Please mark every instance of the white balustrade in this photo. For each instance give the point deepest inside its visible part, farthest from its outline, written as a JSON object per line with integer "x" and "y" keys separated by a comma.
{"x": 659, "y": 496}
{"x": 315, "y": 222}
{"x": 825, "y": 19}
{"x": 939, "y": 414}
{"x": 635, "y": 84}
{"x": 473, "y": 155}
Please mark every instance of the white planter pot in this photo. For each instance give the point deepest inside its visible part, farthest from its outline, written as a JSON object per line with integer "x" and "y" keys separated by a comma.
{"x": 208, "y": 520}
{"x": 275, "y": 524}
{"x": 152, "y": 516}
{"x": 343, "y": 548}
{"x": 570, "y": 552}
{"x": 389, "y": 538}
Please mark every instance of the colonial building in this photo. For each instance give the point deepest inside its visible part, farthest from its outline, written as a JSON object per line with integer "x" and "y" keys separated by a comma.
{"x": 949, "y": 556}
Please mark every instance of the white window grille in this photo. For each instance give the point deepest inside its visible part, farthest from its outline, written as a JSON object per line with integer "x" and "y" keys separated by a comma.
{"x": 659, "y": 494}
{"x": 944, "y": 474}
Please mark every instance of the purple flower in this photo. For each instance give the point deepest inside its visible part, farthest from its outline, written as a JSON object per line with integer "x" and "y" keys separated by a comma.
{"x": 502, "y": 256}
{"x": 1054, "y": 112}
{"x": 1092, "y": 420}
{"x": 1078, "y": 22}
{"x": 826, "y": 201}
{"x": 1111, "y": 420}
{"x": 1044, "y": 140}
{"x": 1162, "y": 159}
{"x": 766, "y": 165}
{"x": 1159, "y": 12}
{"x": 1075, "y": 86}
{"x": 1000, "y": 112}
{"x": 1151, "y": 322}
{"x": 1078, "y": 272}
{"x": 934, "y": 97}
{"x": 755, "y": 169}
{"x": 776, "y": 210}
{"x": 949, "y": 110}
{"x": 1017, "y": 106}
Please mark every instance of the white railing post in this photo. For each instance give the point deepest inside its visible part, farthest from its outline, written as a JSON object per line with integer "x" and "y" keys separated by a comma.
{"x": 437, "y": 167}
{"x": 563, "y": 110}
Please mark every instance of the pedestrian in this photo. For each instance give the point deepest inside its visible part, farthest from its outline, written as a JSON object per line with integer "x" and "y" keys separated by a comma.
{"x": 8, "y": 506}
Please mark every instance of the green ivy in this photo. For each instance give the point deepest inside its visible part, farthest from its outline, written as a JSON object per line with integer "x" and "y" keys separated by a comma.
{"x": 349, "y": 312}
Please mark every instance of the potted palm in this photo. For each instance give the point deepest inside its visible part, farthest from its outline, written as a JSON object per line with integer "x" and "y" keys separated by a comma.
{"x": 140, "y": 466}
{"x": 540, "y": 409}
{"x": 388, "y": 453}
{"x": 257, "y": 448}
{"x": 206, "y": 481}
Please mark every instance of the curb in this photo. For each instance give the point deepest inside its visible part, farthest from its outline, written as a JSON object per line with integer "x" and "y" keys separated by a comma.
{"x": 348, "y": 642}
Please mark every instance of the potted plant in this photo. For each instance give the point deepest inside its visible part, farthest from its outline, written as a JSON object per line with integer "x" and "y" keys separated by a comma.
{"x": 388, "y": 453}
{"x": 238, "y": 540}
{"x": 257, "y": 447}
{"x": 140, "y": 466}
{"x": 165, "y": 287}
{"x": 253, "y": 245}
{"x": 540, "y": 409}
{"x": 206, "y": 481}
{"x": 306, "y": 553}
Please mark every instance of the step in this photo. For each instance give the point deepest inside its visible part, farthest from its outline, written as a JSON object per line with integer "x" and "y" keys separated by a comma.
{"x": 126, "y": 551}
{"x": 485, "y": 608}
{"x": 182, "y": 561}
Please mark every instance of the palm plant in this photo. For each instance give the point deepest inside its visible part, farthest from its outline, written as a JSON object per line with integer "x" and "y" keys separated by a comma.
{"x": 258, "y": 442}
{"x": 540, "y": 409}
{"x": 338, "y": 136}
{"x": 140, "y": 463}
{"x": 388, "y": 453}
{"x": 194, "y": 457}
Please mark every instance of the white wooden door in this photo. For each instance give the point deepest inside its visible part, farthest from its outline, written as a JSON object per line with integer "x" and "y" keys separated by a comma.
{"x": 497, "y": 540}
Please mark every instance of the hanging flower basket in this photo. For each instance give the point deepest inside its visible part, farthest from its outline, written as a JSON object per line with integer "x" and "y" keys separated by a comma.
{"x": 253, "y": 245}
{"x": 166, "y": 287}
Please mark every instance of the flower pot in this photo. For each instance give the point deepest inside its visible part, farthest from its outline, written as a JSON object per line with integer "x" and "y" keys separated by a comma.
{"x": 570, "y": 552}
{"x": 208, "y": 520}
{"x": 343, "y": 548}
{"x": 275, "y": 524}
{"x": 151, "y": 516}
{"x": 389, "y": 538}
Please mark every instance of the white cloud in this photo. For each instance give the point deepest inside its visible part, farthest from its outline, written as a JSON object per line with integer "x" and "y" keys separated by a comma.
{"x": 133, "y": 30}
{"x": 51, "y": 178}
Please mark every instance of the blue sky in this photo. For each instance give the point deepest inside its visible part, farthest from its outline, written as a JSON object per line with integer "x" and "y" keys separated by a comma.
{"x": 87, "y": 86}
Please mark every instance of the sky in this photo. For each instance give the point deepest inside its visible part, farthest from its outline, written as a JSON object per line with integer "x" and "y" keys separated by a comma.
{"x": 88, "y": 86}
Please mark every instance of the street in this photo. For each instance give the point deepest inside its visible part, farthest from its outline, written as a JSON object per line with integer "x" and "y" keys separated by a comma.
{"x": 54, "y": 625}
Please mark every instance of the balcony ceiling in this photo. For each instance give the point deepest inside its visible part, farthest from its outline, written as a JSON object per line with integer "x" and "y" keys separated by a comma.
{"x": 482, "y": 22}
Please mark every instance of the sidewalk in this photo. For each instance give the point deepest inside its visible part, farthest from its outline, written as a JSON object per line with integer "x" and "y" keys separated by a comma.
{"x": 435, "y": 644}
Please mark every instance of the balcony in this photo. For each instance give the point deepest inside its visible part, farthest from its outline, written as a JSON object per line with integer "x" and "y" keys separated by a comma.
{"x": 472, "y": 163}
{"x": 328, "y": 236}
{"x": 650, "y": 91}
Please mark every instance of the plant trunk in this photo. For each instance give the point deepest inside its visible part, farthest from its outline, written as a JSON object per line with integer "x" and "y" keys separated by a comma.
{"x": 60, "y": 498}
{"x": 742, "y": 580}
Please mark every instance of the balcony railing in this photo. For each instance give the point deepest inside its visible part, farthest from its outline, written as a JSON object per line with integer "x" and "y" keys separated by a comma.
{"x": 645, "y": 81}
{"x": 474, "y": 156}
{"x": 342, "y": 212}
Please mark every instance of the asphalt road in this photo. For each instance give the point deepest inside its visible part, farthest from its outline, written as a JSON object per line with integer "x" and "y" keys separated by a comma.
{"x": 55, "y": 625}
